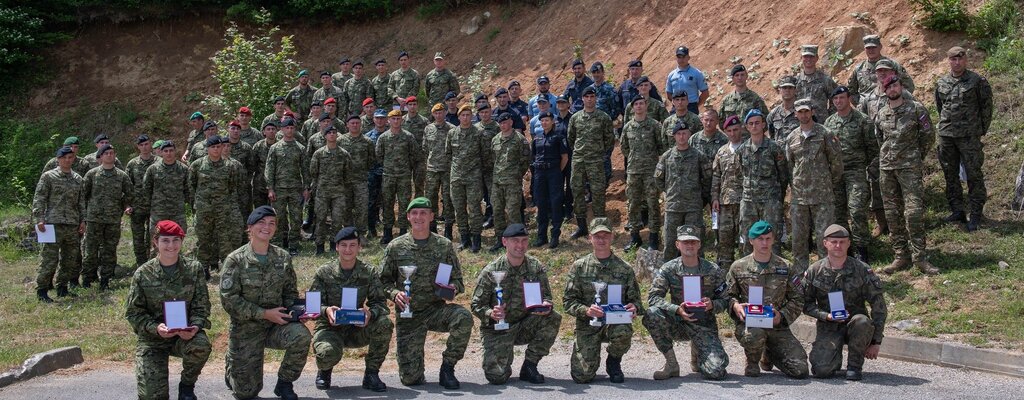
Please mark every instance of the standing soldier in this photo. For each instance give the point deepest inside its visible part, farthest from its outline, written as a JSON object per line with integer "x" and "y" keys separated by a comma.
{"x": 59, "y": 200}
{"x": 765, "y": 177}
{"x": 468, "y": 151}
{"x": 814, "y": 84}
{"x": 399, "y": 153}
{"x": 136, "y": 170}
{"x": 742, "y": 99}
{"x": 861, "y": 334}
{"x": 329, "y": 338}
{"x": 198, "y": 150}
{"x": 196, "y": 122}
{"x": 376, "y": 175}
{"x": 684, "y": 174}
{"x": 249, "y": 134}
{"x": 600, "y": 266}
{"x": 108, "y": 195}
{"x": 168, "y": 277}
{"x": 667, "y": 320}
{"x": 278, "y": 114}
{"x": 485, "y": 123}
{"x": 212, "y": 180}
{"x": 574, "y": 90}
{"x": 655, "y": 108}
{"x": 607, "y": 96}
{"x": 379, "y": 86}
{"x": 328, "y": 89}
{"x": 863, "y": 80}
{"x": 256, "y": 288}
{"x": 727, "y": 191}
{"x": 356, "y": 90}
{"x": 857, "y": 140}
{"x": 311, "y": 125}
{"x": 415, "y": 123}
{"x": 347, "y": 69}
{"x": 964, "y": 102}
{"x": 363, "y": 156}
{"x": 543, "y": 91}
{"x": 550, "y": 158}
{"x": 403, "y": 82}
{"x": 330, "y": 171}
{"x": 242, "y": 152}
{"x": 590, "y": 136}
{"x": 708, "y": 138}
{"x": 782, "y": 120}
{"x": 534, "y": 328}
{"x": 439, "y": 81}
{"x": 79, "y": 165}
{"x": 261, "y": 150}
{"x": 301, "y": 96}
{"x": 642, "y": 142}
{"x": 93, "y": 160}
{"x": 430, "y": 312}
{"x": 315, "y": 142}
{"x": 628, "y": 88}
{"x": 438, "y": 169}
{"x": 287, "y": 175}
{"x": 905, "y": 131}
{"x": 782, "y": 290}
{"x": 165, "y": 187}
{"x": 515, "y": 93}
{"x": 511, "y": 159}
{"x": 504, "y": 105}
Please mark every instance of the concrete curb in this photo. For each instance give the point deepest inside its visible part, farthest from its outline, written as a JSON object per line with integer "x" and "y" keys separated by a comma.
{"x": 927, "y": 351}
{"x": 43, "y": 363}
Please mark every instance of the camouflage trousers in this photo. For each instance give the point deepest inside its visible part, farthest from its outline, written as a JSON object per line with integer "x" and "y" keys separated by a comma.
{"x": 707, "y": 355}
{"x": 537, "y": 332}
{"x": 329, "y": 344}
{"x": 783, "y": 349}
{"x": 289, "y": 217}
{"x": 395, "y": 189}
{"x": 419, "y": 180}
{"x": 728, "y": 233}
{"x": 582, "y": 173}
{"x": 874, "y": 175}
{"x": 373, "y": 188}
{"x": 151, "y": 358}
{"x": 968, "y": 151}
{"x": 259, "y": 197}
{"x": 440, "y": 183}
{"x": 245, "y": 200}
{"x": 244, "y": 358}
{"x": 903, "y": 190}
{"x": 141, "y": 236}
{"x": 411, "y": 335}
{"x": 217, "y": 233}
{"x": 100, "y": 250}
{"x": 751, "y": 211}
{"x": 640, "y": 191}
{"x": 357, "y": 196}
{"x": 65, "y": 252}
{"x": 674, "y": 220}
{"x": 506, "y": 200}
{"x": 586, "y": 351}
{"x": 333, "y": 207}
{"x": 807, "y": 219}
{"x": 853, "y": 199}
{"x": 827, "y": 349}
{"x": 466, "y": 196}
{"x": 486, "y": 184}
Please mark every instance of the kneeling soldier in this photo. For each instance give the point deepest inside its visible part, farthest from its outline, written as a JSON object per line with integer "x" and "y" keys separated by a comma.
{"x": 858, "y": 285}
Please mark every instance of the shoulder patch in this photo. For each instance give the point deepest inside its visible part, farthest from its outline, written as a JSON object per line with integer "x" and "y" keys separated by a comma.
{"x": 721, "y": 288}
{"x": 797, "y": 280}
{"x": 226, "y": 283}
{"x": 782, "y": 271}
{"x": 923, "y": 119}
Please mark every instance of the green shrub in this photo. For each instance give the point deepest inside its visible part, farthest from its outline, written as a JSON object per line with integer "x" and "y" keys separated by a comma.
{"x": 993, "y": 22}
{"x": 943, "y": 15}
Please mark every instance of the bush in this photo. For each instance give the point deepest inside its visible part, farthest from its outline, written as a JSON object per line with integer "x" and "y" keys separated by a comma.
{"x": 993, "y": 22}
{"x": 943, "y": 15}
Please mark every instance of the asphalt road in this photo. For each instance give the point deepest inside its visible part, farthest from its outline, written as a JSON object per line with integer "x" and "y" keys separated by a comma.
{"x": 883, "y": 379}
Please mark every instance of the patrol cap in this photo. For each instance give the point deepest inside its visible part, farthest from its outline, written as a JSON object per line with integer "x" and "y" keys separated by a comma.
{"x": 352, "y": 116}
{"x": 545, "y": 115}
{"x": 245, "y": 110}
{"x": 576, "y": 62}
{"x": 513, "y": 83}
{"x": 687, "y": 232}
{"x": 956, "y": 51}
{"x": 809, "y": 50}
{"x": 419, "y": 202}
{"x": 561, "y": 99}
{"x": 196, "y": 115}
{"x": 515, "y": 230}
{"x": 635, "y": 63}
{"x": 169, "y": 228}
{"x": 394, "y": 113}
{"x": 259, "y": 213}
{"x": 836, "y": 231}
{"x": 302, "y": 73}
{"x": 286, "y": 121}
{"x": 71, "y": 140}
{"x": 840, "y": 90}
{"x": 504, "y": 117}
{"x": 330, "y": 100}
{"x": 643, "y": 79}
{"x": 751, "y": 114}
{"x": 380, "y": 61}
{"x": 787, "y": 81}
{"x": 450, "y": 95}
{"x": 411, "y": 99}
{"x": 589, "y": 90}
{"x": 63, "y": 151}
{"x": 600, "y": 224}
{"x": 437, "y": 107}
{"x": 163, "y": 144}
{"x": 325, "y": 73}
{"x": 101, "y": 137}
{"x": 737, "y": 69}
{"x": 500, "y": 92}
{"x": 543, "y": 79}
{"x": 323, "y": 116}
{"x": 367, "y": 101}
{"x": 885, "y": 63}
{"x": 465, "y": 108}
{"x": 143, "y": 138}
{"x": 732, "y": 120}
{"x": 209, "y": 125}
{"x": 402, "y": 53}
{"x": 596, "y": 66}
{"x": 872, "y": 41}
{"x": 682, "y": 51}
{"x": 889, "y": 82}
{"x": 803, "y": 104}
{"x": 344, "y": 60}
{"x": 213, "y": 140}
{"x": 439, "y": 56}
{"x": 380, "y": 113}
{"x": 759, "y": 228}
{"x": 276, "y": 99}
{"x": 543, "y": 99}
{"x": 346, "y": 233}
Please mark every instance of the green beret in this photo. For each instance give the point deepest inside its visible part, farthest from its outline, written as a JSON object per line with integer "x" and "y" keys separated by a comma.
{"x": 196, "y": 115}
{"x": 157, "y": 144}
{"x": 759, "y": 228}
{"x": 71, "y": 140}
{"x": 303, "y": 73}
{"x": 419, "y": 202}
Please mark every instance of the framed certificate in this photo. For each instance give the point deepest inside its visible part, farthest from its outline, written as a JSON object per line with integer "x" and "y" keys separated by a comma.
{"x": 533, "y": 298}
{"x": 176, "y": 315}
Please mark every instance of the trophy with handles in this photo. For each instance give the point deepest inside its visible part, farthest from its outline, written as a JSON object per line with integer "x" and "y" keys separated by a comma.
{"x": 598, "y": 287}
{"x": 407, "y": 270}
{"x": 498, "y": 276}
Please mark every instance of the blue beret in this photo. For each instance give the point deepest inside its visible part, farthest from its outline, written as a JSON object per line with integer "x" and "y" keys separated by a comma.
{"x": 450, "y": 95}
{"x": 840, "y": 90}
{"x": 380, "y": 113}
{"x": 753, "y": 113}
{"x": 260, "y": 213}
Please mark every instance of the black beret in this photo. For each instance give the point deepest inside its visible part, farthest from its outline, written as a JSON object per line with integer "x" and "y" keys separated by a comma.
{"x": 680, "y": 126}
{"x": 380, "y": 61}
{"x": 450, "y": 95}
{"x": 636, "y": 63}
{"x": 323, "y": 116}
{"x": 514, "y": 83}
{"x": 562, "y": 99}
{"x": 737, "y": 68}
{"x": 143, "y": 138}
{"x": 545, "y": 115}
{"x": 479, "y": 97}
{"x": 344, "y": 60}
{"x": 504, "y": 117}
{"x": 269, "y": 123}
{"x": 643, "y": 79}
{"x": 576, "y": 62}
{"x": 484, "y": 107}
{"x": 325, "y": 73}
{"x": 287, "y": 121}
{"x": 346, "y": 233}
{"x": 330, "y": 128}
{"x": 316, "y": 103}
{"x": 276, "y": 99}
{"x": 500, "y": 92}
{"x": 260, "y": 213}
{"x": 209, "y": 124}
{"x": 212, "y": 140}
{"x": 515, "y": 230}
{"x": 103, "y": 149}
{"x": 637, "y": 97}
{"x": 63, "y": 151}
{"x": 403, "y": 53}
{"x": 840, "y": 90}
{"x": 353, "y": 116}
{"x": 103, "y": 136}
{"x": 358, "y": 62}
{"x": 597, "y": 66}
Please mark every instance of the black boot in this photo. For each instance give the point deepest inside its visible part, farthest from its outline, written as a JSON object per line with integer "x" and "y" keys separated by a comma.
{"x": 652, "y": 241}
{"x": 386, "y": 237}
{"x": 613, "y": 366}
{"x": 448, "y": 231}
{"x": 86, "y": 283}
{"x": 529, "y": 373}
{"x": 862, "y": 254}
{"x": 334, "y": 246}
{"x": 634, "y": 241}
{"x": 489, "y": 223}
{"x": 433, "y": 227}
{"x": 447, "y": 376}
{"x": 42, "y": 296}
{"x": 581, "y": 228}
{"x": 465, "y": 240}
{"x": 475, "y": 243}
{"x": 206, "y": 272}
{"x": 497, "y": 246}
{"x": 62, "y": 291}
{"x": 542, "y": 239}
{"x": 972, "y": 224}
{"x": 72, "y": 284}
{"x": 319, "y": 249}
{"x": 186, "y": 392}
{"x": 554, "y": 242}
{"x": 854, "y": 374}
{"x": 956, "y": 216}
{"x": 402, "y": 231}
{"x": 372, "y": 382}
{"x": 323, "y": 379}
{"x": 104, "y": 283}
{"x": 284, "y": 390}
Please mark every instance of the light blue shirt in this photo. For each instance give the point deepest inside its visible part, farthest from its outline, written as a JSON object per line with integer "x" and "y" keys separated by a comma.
{"x": 691, "y": 80}
{"x": 533, "y": 104}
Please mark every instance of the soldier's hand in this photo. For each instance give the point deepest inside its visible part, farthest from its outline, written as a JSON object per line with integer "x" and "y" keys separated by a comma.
{"x": 81, "y": 228}
{"x": 715, "y": 206}
{"x": 550, "y": 307}
{"x": 128, "y": 211}
{"x": 402, "y": 300}
{"x": 189, "y": 333}
{"x": 777, "y": 320}
{"x": 163, "y": 331}
{"x": 276, "y": 315}
{"x": 366, "y": 319}
{"x": 709, "y": 305}
{"x": 872, "y": 351}
{"x": 595, "y": 311}
{"x": 305, "y": 195}
{"x": 632, "y": 309}
{"x": 737, "y": 309}
{"x": 271, "y": 195}
{"x": 41, "y": 226}
{"x": 685, "y": 315}
{"x": 498, "y": 312}
{"x": 330, "y": 314}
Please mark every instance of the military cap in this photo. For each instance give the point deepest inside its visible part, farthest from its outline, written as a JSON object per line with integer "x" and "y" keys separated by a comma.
{"x": 637, "y": 97}
{"x": 63, "y": 151}
{"x": 635, "y": 63}
{"x": 956, "y": 51}
{"x": 260, "y": 213}
{"x": 759, "y": 228}
{"x": 269, "y": 123}
{"x": 380, "y": 61}
{"x": 679, "y": 126}
{"x": 465, "y": 108}
{"x": 235, "y": 122}
{"x": 358, "y": 62}
{"x": 346, "y": 233}
{"x": 330, "y": 100}
{"x": 289, "y": 114}
{"x": 840, "y": 90}
{"x": 143, "y": 138}
{"x": 450, "y": 95}
{"x": 751, "y": 114}
{"x": 101, "y": 137}
{"x": 209, "y": 125}
{"x": 836, "y": 231}
{"x": 680, "y": 94}
{"x": 809, "y": 50}
{"x": 323, "y": 116}
{"x": 803, "y": 104}
{"x": 682, "y": 51}
{"x": 576, "y": 62}
{"x": 543, "y": 79}
{"x": 380, "y": 113}
{"x": 561, "y": 99}
{"x": 351, "y": 117}
{"x": 330, "y": 129}
{"x": 316, "y": 103}
{"x": 515, "y": 230}
{"x": 302, "y": 73}
{"x": 687, "y": 232}
{"x": 169, "y": 228}
{"x": 439, "y": 56}
{"x": 245, "y": 110}
{"x": 596, "y": 66}
{"x": 885, "y": 64}
{"x": 543, "y": 99}
{"x": 504, "y": 117}
{"x": 643, "y": 79}
{"x": 736, "y": 69}
{"x": 394, "y": 113}
{"x": 500, "y": 92}
{"x": 732, "y": 120}
{"x": 787, "y": 81}
{"x": 545, "y": 115}
{"x": 163, "y": 144}
{"x": 514, "y": 83}
{"x": 889, "y": 82}
{"x": 589, "y": 90}
{"x": 287, "y": 122}
{"x": 419, "y": 202}
{"x": 482, "y": 107}
{"x": 872, "y": 41}
{"x": 367, "y": 101}
{"x": 402, "y": 53}
{"x": 437, "y": 107}
{"x": 325, "y": 73}
{"x": 344, "y": 60}
{"x": 277, "y": 99}
{"x": 213, "y": 140}
{"x": 411, "y": 99}
{"x": 196, "y": 115}
{"x": 71, "y": 140}
{"x": 600, "y": 224}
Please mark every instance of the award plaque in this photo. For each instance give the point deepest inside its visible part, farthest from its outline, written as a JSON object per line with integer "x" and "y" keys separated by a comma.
{"x": 615, "y": 312}
{"x": 349, "y": 313}
{"x": 442, "y": 288}
{"x": 533, "y": 299}
{"x": 176, "y": 315}
{"x": 758, "y": 315}
{"x": 837, "y": 306}
{"x": 692, "y": 297}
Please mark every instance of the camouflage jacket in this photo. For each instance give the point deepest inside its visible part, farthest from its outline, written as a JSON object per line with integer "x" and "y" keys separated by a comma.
{"x": 355, "y": 91}
{"x": 246, "y": 157}
{"x": 705, "y": 145}
{"x": 860, "y": 287}
{"x": 511, "y": 158}
{"x": 579, "y": 288}
{"x": 151, "y": 287}
{"x": 329, "y": 280}
{"x": 739, "y": 104}
{"x": 405, "y": 251}
{"x": 817, "y": 87}
{"x": 816, "y": 164}
{"x": 641, "y": 143}
{"x": 213, "y": 183}
{"x": 362, "y": 153}
{"x": 435, "y": 137}
{"x": 856, "y": 138}
{"x": 692, "y": 121}
{"x": 335, "y": 92}
{"x": 287, "y": 166}
{"x": 403, "y": 84}
{"x": 655, "y": 109}
{"x": 669, "y": 281}
{"x": 415, "y": 124}
{"x": 398, "y": 152}
{"x": 781, "y": 283}
{"x": 166, "y": 189}
{"x": 379, "y": 87}
{"x": 340, "y": 79}
{"x": 300, "y": 99}
{"x": 330, "y": 171}
{"x": 513, "y": 295}
{"x": 59, "y": 198}
{"x": 781, "y": 122}
{"x": 906, "y": 134}
{"x": 727, "y": 176}
{"x": 251, "y": 135}
{"x": 248, "y": 286}
{"x": 964, "y": 104}
{"x": 590, "y": 136}
{"x": 261, "y": 151}
{"x": 765, "y": 170}
{"x": 685, "y": 177}
{"x": 107, "y": 194}
{"x": 468, "y": 150}
{"x": 439, "y": 83}
{"x": 136, "y": 170}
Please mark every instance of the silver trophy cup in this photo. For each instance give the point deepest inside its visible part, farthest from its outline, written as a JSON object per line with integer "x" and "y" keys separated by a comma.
{"x": 407, "y": 270}
{"x": 498, "y": 276}
{"x": 598, "y": 287}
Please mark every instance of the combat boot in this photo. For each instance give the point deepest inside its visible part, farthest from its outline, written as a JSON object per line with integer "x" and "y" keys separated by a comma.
{"x": 653, "y": 242}
{"x": 497, "y": 246}
{"x": 898, "y": 264}
{"x": 882, "y": 226}
{"x": 104, "y": 284}
{"x": 62, "y": 291}
{"x": 489, "y": 223}
{"x": 581, "y": 228}
{"x": 542, "y": 238}
{"x": 285, "y": 391}
{"x": 373, "y": 383}
{"x": 319, "y": 249}
{"x": 474, "y": 243}
{"x": 529, "y": 373}
{"x": 926, "y": 267}
{"x": 956, "y": 216}
{"x": 613, "y": 366}
{"x": 323, "y": 379}
{"x": 634, "y": 241}
{"x": 446, "y": 377}
{"x": 554, "y": 242}
{"x": 186, "y": 392}
{"x": 974, "y": 222}
{"x": 86, "y": 283}
{"x": 854, "y": 374}
{"x": 862, "y": 254}
{"x": 385, "y": 237}
{"x": 765, "y": 363}
{"x": 752, "y": 370}
{"x": 42, "y": 296}
{"x": 671, "y": 368}
{"x": 448, "y": 231}
{"x": 433, "y": 226}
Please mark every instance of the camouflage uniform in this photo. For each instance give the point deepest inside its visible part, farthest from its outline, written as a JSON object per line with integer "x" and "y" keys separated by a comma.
{"x": 402, "y": 84}
{"x": 136, "y": 170}
{"x": 685, "y": 177}
{"x": 379, "y": 89}
{"x": 641, "y": 142}
{"x": 335, "y": 92}
{"x": 79, "y": 166}
{"x": 287, "y": 174}
{"x": 165, "y": 192}
{"x": 863, "y": 81}
{"x": 656, "y": 110}
{"x": 196, "y": 152}
{"x": 356, "y": 90}
{"x": 490, "y": 130}
{"x": 781, "y": 122}
{"x": 727, "y": 190}
{"x": 510, "y": 160}
{"x": 964, "y": 104}
{"x": 399, "y": 153}
{"x": 249, "y": 286}
{"x": 816, "y": 163}
{"x": 356, "y": 191}
{"x": 859, "y": 145}
{"x": 60, "y": 200}
{"x": 692, "y": 121}
{"x": 300, "y": 99}
{"x": 739, "y": 104}
{"x": 870, "y": 104}
{"x": 782, "y": 290}
{"x": 700, "y": 141}
{"x": 537, "y": 332}
{"x": 339, "y": 79}
{"x": 579, "y": 296}
{"x": 217, "y": 219}
{"x": 590, "y": 136}
{"x": 250, "y": 136}
{"x": 151, "y": 286}
{"x": 416, "y": 125}
{"x": 107, "y": 194}
{"x": 92, "y": 161}
{"x": 374, "y": 182}
{"x": 439, "y": 83}
{"x": 707, "y": 355}
{"x": 261, "y": 151}
{"x": 817, "y": 86}
{"x": 330, "y": 172}
{"x": 329, "y": 342}
{"x": 467, "y": 150}
{"x": 765, "y": 179}
{"x": 248, "y": 162}
{"x": 860, "y": 286}
{"x": 429, "y": 312}
{"x": 438, "y": 175}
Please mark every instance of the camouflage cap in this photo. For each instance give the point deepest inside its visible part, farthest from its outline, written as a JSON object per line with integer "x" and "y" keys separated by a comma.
{"x": 872, "y": 41}
{"x": 600, "y": 224}
{"x": 884, "y": 63}
{"x": 836, "y": 231}
{"x": 804, "y": 104}
{"x": 787, "y": 81}
{"x": 687, "y": 232}
{"x": 809, "y": 50}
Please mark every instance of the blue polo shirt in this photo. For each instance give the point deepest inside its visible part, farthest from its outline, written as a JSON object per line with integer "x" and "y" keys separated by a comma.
{"x": 533, "y": 103}
{"x": 690, "y": 79}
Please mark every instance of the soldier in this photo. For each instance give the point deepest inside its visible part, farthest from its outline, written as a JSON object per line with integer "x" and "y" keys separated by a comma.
{"x": 404, "y": 81}
{"x": 248, "y": 133}
{"x": 782, "y": 120}
{"x": 430, "y": 312}
{"x": 655, "y": 108}
{"x": 311, "y": 125}
{"x": 347, "y": 72}
{"x": 550, "y": 157}
{"x": 543, "y": 91}
{"x": 168, "y": 277}
{"x": 330, "y": 169}
{"x": 301, "y": 96}
{"x": 165, "y": 187}
{"x": 964, "y": 102}
{"x": 356, "y": 91}
{"x": 278, "y": 114}
{"x": 468, "y": 151}
{"x": 256, "y": 288}
{"x": 59, "y": 200}
{"x": 438, "y": 170}
{"x": 905, "y": 131}
{"x": 485, "y": 123}
{"x": 260, "y": 152}
{"x": 136, "y": 170}
{"x": 198, "y": 150}
{"x": 727, "y": 191}
{"x": 92, "y": 160}
{"x": 600, "y": 266}
{"x": 316, "y": 142}
{"x": 379, "y": 85}
{"x": 328, "y": 89}
{"x": 399, "y": 153}
{"x": 859, "y": 145}
{"x": 451, "y": 102}
{"x": 366, "y": 117}
{"x": 196, "y": 122}
{"x": 782, "y": 290}
{"x": 642, "y": 141}
{"x": 816, "y": 160}
{"x": 628, "y": 89}
{"x": 415, "y": 124}
{"x": 536, "y": 329}
{"x": 688, "y": 79}
{"x": 863, "y": 80}
{"x": 668, "y": 320}
{"x": 356, "y": 192}
{"x": 741, "y": 100}
{"x": 607, "y": 96}
{"x": 329, "y": 338}
{"x": 765, "y": 177}
{"x": 707, "y": 139}
{"x": 108, "y": 194}
{"x": 684, "y": 174}
{"x": 510, "y": 153}
{"x": 590, "y": 136}
{"x": 376, "y": 176}
{"x": 212, "y": 181}
{"x": 439, "y": 81}
{"x": 861, "y": 334}
{"x": 243, "y": 153}
{"x": 79, "y": 165}
{"x": 814, "y": 84}
{"x": 574, "y": 90}
{"x": 287, "y": 175}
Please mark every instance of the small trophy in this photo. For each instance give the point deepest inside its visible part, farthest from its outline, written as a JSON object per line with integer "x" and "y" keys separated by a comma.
{"x": 598, "y": 287}
{"x": 498, "y": 276}
{"x": 407, "y": 270}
